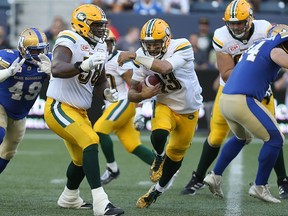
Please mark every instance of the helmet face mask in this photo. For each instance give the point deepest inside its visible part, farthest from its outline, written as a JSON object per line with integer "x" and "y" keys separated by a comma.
{"x": 31, "y": 43}
{"x": 155, "y": 38}
{"x": 90, "y": 21}
{"x": 238, "y": 18}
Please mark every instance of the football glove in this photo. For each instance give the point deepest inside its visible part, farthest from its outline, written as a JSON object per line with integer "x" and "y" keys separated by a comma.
{"x": 111, "y": 95}
{"x": 44, "y": 63}
{"x": 268, "y": 95}
{"x": 91, "y": 63}
{"x": 12, "y": 70}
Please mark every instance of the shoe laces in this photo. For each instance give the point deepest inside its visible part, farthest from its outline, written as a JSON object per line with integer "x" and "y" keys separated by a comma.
{"x": 158, "y": 161}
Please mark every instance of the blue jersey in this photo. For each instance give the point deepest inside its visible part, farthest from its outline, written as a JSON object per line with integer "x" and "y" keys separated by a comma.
{"x": 19, "y": 92}
{"x": 255, "y": 69}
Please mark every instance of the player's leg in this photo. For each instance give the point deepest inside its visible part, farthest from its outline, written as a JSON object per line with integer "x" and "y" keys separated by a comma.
{"x": 82, "y": 144}
{"x": 219, "y": 130}
{"x": 14, "y": 134}
{"x": 279, "y": 167}
{"x": 179, "y": 141}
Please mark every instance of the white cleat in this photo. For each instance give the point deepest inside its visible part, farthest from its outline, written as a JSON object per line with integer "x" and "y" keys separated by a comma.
{"x": 214, "y": 183}
{"x": 262, "y": 192}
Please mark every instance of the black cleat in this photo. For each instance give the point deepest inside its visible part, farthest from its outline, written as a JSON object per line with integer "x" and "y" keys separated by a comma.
{"x": 109, "y": 175}
{"x": 194, "y": 184}
{"x": 283, "y": 188}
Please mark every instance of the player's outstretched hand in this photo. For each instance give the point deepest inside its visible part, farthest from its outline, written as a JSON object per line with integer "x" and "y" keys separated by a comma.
{"x": 15, "y": 66}
{"x": 44, "y": 63}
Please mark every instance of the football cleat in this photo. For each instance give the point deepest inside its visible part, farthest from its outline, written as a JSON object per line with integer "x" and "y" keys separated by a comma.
{"x": 109, "y": 175}
{"x": 147, "y": 199}
{"x": 194, "y": 184}
{"x": 214, "y": 183}
{"x": 262, "y": 192}
{"x": 71, "y": 199}
{"x": 283, "y": 188}
{"x": 112, "y": 210}
{"x": 157, "y": 168}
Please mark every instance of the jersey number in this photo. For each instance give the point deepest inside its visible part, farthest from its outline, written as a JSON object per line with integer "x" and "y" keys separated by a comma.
{"x": 171, "y": 83}
{"x": 253, "y": 51}
{"x": 17, "y": 91}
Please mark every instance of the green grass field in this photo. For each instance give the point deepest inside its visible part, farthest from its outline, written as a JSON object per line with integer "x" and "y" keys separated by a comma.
{"x": 34, "y": 179}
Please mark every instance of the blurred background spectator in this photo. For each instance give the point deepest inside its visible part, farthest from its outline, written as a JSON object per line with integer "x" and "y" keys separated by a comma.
{"x": 176, "y": 6}
{"x": 113, "y": 29}
{"x": 57, "y": 26}
{"x": 147, "y": 7}
{"x": 130, "y": 41}
{"x": 4, "y": 43}
{"x": 204, "y": 35}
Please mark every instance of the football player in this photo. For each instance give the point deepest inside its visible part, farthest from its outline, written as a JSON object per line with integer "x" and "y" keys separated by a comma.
{"x": 229, "y": 42}
{"x": 78, "y": 62}
{"x": 118, "y": 117}
{"x": 240, "y": 104}
{"x": 176, "y": 107}
{"x": 22, "y": 73}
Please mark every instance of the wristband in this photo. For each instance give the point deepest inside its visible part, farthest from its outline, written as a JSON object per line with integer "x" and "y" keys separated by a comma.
{"x": 145, "y": 61}
{"x": 77, "y": 66}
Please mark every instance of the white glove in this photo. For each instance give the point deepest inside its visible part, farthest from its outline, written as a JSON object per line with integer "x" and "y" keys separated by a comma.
{"x": 15, "y": 66}
{"x": 12, "y": 70}
{"x": 139, "y": 119}
{"x": 111, "y": 95}
{"x": 97, "y": 58}
{"x": 44, "y": 64}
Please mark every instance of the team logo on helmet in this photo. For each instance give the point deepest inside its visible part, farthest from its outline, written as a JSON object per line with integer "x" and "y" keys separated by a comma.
{"x": 81, "y": 16}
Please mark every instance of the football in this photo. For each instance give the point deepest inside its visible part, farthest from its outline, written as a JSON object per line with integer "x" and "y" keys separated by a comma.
{"x": 149, "y": 81}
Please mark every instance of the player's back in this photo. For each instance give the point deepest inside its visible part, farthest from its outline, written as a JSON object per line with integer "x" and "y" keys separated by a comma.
{"x": 19, "y": 92}
{"x": 255, "y": 70}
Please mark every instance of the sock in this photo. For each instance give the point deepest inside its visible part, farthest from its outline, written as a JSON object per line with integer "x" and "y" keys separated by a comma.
{"x": 75, "y": 175}
{"x": 91, "y": 166}
{"x": 113, "y": 166}
{"x": 3, "y": 164}
{"x": 2, "y": 134}
{"x": 208, "y": 155}
{"x": 267, "y": 158}
{"x": 279, "y": 166}
{"x": 144, "y": 154}
{"x": 169, "y": 169}
{"x": 229, "y": 151}
{"x": 158, "y": 139}
{"x": 107, "y": 147}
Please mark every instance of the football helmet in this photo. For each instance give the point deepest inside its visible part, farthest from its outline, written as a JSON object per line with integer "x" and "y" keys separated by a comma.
{"x": 238, "y": 17}
{"x": 155, "y": 31}
{"x": 111, "y": 43}
{"x": 279, "y": 29}
{"x": 31, "y": 43}
{"x": 90, "y": 21}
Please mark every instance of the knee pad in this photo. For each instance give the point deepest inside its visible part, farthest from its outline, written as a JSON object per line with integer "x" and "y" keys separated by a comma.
{"x": 2, "y": 134}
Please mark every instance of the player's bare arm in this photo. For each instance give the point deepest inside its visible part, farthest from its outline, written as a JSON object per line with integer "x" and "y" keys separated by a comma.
{"x": 61, "y": 66}
{"x": 225, "y": 65}
{"x": 280, "y": 57}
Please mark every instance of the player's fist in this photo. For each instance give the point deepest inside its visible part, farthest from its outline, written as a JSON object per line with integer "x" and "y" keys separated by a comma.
{"x": 111, "y": 95}
{"x": 91, "y": 63}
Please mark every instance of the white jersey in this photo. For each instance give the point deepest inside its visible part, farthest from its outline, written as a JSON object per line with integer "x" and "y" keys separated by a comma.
{"x": 182, "y": 91}
{"x": 224, "y": 42}
{"x": 76, "y": 91}
{"x": 114, "y": 75}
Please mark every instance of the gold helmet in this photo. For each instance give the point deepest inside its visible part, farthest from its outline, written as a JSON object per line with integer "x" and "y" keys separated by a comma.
{"x": 31, "y": 43}
{"x": 155, "y": 31}
{"x": 86, "y": 15}
{"x": 279, "y": 29}
{"x": 111, "y": 43}
{"x": 238, "y": 17}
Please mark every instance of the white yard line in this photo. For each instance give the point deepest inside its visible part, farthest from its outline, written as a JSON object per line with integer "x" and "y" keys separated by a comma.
{"x": 233, "y": 198}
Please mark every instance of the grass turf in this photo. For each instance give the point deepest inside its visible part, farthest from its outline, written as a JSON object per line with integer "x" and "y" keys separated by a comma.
{"x": 34, "y": 179}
